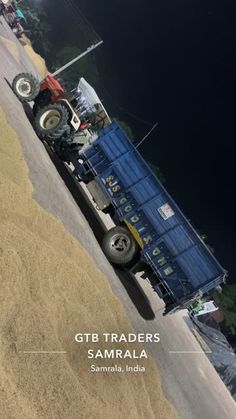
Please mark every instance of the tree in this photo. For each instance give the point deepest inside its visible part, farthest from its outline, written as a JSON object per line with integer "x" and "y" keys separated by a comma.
{"x": 157, "y": 171}
{"x": 86, "y": 67}
{"x": 227, "y": 303}
{"x": 38, "y": 25}
{"x": 128, "y": 130}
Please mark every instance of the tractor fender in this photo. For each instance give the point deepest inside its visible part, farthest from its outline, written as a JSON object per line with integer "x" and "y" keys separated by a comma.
{"x": 74, "y": 119}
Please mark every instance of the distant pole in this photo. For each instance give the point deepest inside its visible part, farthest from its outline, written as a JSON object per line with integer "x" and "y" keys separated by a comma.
{"x": 147, "y": 135}
{"x": 88, "y": 50}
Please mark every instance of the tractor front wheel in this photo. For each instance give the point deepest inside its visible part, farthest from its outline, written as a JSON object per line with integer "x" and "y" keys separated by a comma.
{"x": 51, "y": 122}
{"x": 26, "y": 87}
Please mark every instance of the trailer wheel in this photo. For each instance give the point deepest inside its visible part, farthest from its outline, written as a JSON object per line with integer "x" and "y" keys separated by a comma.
{"x": 51, "y": 122}
{"x": 26, "y": 87}
{"x": 119, "y": 246}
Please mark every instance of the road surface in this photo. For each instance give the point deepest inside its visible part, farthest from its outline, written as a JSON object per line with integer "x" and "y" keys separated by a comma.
{"x": 188, "y": 379}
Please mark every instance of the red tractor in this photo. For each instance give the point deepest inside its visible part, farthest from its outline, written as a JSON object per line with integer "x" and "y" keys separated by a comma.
{"x": 54, "y": 116}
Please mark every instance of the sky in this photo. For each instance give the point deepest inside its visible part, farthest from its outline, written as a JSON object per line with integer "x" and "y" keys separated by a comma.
{"x": 174, "y": 61}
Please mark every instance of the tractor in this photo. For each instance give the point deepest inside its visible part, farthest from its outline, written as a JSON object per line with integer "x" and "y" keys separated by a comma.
{"x": 54, "y": 115}
{"x": 13, "y": 16}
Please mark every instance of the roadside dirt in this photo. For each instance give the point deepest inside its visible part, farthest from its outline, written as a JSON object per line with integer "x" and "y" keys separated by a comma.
{"x": 11, "y": 46}
{"x": 50, "y": 290}
{"x": 37, "y": 60}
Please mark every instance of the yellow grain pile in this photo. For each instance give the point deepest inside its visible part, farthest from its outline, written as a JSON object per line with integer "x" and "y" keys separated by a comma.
{"x": 49, "y": 290}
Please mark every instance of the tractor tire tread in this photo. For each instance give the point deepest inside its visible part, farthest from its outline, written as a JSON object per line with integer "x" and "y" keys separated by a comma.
{"x": 36, "y": 87}
{"x": 52, "y": 134}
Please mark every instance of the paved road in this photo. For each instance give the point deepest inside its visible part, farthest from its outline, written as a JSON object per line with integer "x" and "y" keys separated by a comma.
{"x": 189, "y": 380}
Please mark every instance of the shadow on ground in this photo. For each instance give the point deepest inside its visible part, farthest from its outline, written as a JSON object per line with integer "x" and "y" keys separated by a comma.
{"x": 127, "y": 279}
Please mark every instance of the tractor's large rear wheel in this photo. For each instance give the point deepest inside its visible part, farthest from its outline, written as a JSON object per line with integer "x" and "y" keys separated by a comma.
{"x": 51, "y": 122}
{"x": 26, "y": 87}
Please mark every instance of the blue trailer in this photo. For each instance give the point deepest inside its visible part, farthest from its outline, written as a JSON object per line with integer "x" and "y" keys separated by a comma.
{"x": 151, "y": 231}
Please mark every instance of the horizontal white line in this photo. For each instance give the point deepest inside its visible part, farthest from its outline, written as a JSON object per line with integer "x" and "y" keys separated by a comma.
{"x": 190, "y": 352}
{"x": 43, "y": 352}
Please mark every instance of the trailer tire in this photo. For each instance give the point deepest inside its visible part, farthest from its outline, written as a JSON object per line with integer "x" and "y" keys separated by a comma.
{"x": 26, "y": 87}
{"x": 51, "y": 122}
{"x": 120, "y": 247}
